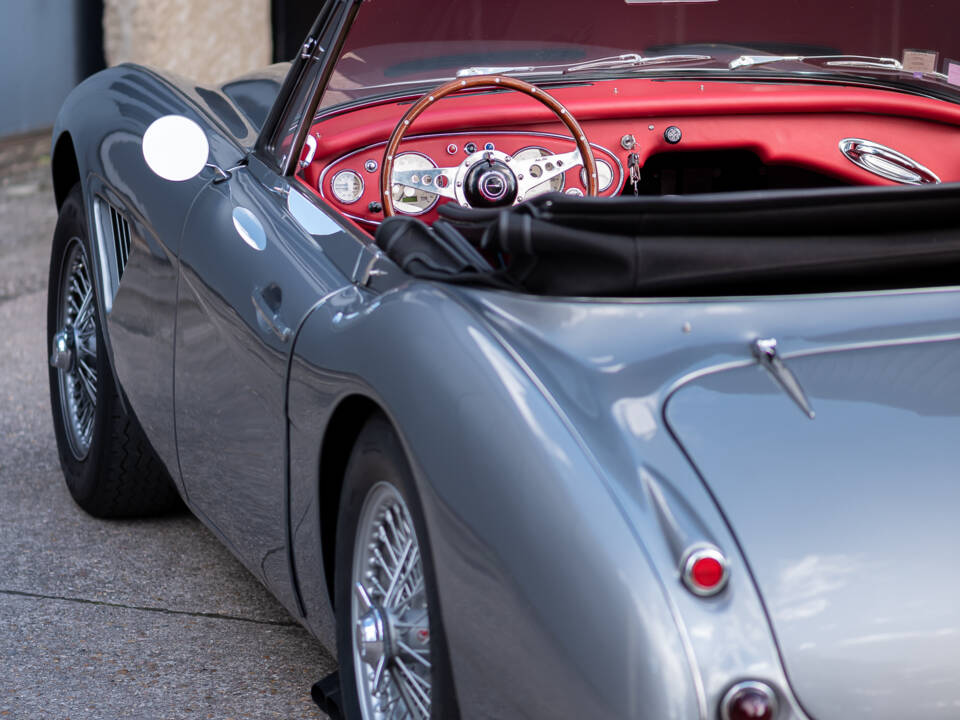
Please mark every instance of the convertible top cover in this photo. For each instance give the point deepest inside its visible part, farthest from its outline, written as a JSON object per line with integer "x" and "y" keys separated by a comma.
{"x": 764, "y": 243}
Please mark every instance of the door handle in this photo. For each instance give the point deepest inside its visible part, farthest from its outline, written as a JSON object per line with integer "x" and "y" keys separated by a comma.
{"x": 267, "y": 301}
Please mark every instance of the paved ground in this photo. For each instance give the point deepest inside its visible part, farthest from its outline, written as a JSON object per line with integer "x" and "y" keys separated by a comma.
{"x": 134, "y": 619}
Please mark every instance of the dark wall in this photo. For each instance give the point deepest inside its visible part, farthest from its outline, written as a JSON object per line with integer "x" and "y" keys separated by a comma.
{"x": 90, "y": 54}
{"x": 291, "y": 23}
{"x": 46, "y": 48}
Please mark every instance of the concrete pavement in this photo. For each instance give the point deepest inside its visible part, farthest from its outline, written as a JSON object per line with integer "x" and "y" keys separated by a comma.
{"x": 112, "y": 619}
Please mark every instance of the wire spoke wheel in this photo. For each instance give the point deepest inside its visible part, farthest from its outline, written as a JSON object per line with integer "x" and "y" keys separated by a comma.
{"x": 75, "y": 348}
{"x": 389, "y": 613}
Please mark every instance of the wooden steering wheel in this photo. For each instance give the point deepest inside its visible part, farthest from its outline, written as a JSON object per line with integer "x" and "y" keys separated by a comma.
{"x": 486, "y": 178}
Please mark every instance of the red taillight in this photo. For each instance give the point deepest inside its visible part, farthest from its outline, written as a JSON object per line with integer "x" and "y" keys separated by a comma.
{"x": 705, "y": 570}
{"x": 749, "y": 701}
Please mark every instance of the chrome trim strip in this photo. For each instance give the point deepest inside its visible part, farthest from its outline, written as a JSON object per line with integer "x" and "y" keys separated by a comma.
{"x": 108, "y": 262}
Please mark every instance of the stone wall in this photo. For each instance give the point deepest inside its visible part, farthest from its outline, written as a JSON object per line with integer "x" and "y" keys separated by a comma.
{"x": 206, "y": 40}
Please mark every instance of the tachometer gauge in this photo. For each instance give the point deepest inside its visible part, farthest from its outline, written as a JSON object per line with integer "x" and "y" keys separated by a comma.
{"x": 412, "y": 201}
{"x": 347, "y": 186}
{"x": 604, "y": 176}
{"x": 554, "y": 184}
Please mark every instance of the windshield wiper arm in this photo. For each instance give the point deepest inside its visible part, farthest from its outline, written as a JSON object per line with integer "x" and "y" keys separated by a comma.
{"x": 629, "y": 60}
{"x": 497, "y": 70}
{"x": 616, "y": 61}
{"x": 854, "y": 61}
{"x": 859, "y": 62}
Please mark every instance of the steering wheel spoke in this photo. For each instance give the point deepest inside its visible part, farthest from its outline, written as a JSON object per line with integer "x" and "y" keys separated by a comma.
{"x": 531, "y": 173}
{"x": 439, "y": 181}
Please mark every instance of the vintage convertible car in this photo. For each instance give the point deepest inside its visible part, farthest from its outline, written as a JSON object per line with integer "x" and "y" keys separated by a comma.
{"x": 546, "y": 359}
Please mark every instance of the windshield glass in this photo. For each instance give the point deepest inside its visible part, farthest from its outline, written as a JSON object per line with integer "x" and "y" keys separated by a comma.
{"x": 394, "y": 44}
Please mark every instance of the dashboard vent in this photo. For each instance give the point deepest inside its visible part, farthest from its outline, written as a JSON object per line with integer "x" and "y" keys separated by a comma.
{"x": 113, "y": 239}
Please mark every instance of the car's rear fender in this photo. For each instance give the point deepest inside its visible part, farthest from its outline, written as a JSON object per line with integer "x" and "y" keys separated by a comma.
{"x": 551, "y": 605}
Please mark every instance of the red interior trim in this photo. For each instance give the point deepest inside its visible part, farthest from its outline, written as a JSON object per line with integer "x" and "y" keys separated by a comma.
{"x": 788, "y": 124}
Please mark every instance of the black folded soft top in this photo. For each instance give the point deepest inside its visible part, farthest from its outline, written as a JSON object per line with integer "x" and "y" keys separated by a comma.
{"x": 779, "y": 242}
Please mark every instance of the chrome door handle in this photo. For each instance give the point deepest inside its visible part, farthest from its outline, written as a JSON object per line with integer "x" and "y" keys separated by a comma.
{"x": 266, "y": 301}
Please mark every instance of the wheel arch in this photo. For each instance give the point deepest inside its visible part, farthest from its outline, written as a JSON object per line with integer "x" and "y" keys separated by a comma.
{"x": 64, "y": 167}
{"x": 339, "y": 437}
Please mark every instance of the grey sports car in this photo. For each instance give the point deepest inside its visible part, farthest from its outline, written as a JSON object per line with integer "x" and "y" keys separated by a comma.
{"x": 545, "y": 359}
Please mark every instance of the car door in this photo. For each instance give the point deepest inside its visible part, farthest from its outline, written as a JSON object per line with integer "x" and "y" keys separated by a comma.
{"x": 249, "y": 275}
{"x": 251, "y": 269}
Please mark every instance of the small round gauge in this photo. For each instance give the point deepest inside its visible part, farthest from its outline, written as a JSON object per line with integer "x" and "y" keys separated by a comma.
{"x": 604, "y": 176}
{"x": 412, "y": 201}
{"x": 554, "y": 184}
{"x": 347, "y": 186}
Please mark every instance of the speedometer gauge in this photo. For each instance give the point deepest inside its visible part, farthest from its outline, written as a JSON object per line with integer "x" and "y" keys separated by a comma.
{"x": 347, "y": 186}
{"x": 412, "y": 201}
{"x": 554, "y": 184}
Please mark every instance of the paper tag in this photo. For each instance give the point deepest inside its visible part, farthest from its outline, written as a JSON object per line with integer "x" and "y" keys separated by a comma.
{"x": 920, "y": 61}
{"x": 953, "y": 72}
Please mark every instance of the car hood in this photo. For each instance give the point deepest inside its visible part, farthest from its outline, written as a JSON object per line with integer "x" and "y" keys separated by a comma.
{"x": 846, "y": 521}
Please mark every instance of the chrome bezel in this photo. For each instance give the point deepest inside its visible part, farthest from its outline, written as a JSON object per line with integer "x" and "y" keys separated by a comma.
{"x": 333, "y": 188}
{"x": 748, "y": 685}
{"x": 700, "y": 552}
{"x": 562, "y": 176}
{"x": 924, "y": 175}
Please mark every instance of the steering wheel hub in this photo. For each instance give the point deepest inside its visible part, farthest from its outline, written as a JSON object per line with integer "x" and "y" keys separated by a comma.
{"x": 490, "y": 183}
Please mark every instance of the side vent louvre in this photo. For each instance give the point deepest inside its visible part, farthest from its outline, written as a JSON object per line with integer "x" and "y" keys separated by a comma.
{"x": 121, "y": 239}
{"x": 113, "y": 245}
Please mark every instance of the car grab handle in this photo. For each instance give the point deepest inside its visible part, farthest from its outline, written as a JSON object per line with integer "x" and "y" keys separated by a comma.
{"x": 266, "y": 301}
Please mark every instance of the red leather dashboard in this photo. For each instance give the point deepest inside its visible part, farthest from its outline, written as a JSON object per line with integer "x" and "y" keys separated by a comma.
{"x": 784, "y": 124}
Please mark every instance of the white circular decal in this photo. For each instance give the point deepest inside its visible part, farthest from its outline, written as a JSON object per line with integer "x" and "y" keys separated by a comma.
{"x": 175, "y": 148}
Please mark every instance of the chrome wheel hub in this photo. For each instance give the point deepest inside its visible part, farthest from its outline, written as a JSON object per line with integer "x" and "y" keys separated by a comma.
{"x": 372, "y": 637}
{"x": 391, "y": 649}
{"x": 62, "y": 355}
{"x": 74, "y": 349}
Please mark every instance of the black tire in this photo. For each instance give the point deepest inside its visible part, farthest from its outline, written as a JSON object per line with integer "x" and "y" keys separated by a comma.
{"x": 378, "y": 458}
{"x": 117, "y": 473}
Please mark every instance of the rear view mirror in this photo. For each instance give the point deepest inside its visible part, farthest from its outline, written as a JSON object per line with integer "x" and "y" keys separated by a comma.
{"x": 175, "y": 148}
